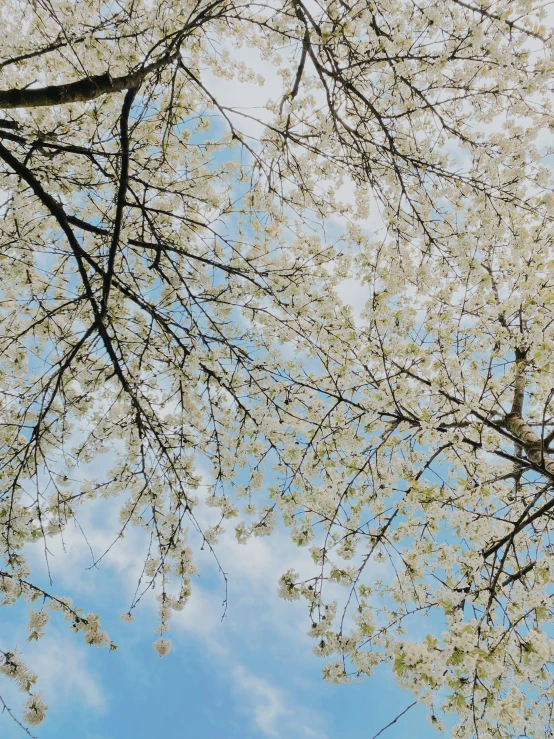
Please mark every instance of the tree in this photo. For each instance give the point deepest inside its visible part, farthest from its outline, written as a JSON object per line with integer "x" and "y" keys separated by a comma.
{"x": 172, "y": 297}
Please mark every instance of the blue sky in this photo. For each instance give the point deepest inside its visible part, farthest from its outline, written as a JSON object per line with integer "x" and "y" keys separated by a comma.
{"x": 250, "y": 676}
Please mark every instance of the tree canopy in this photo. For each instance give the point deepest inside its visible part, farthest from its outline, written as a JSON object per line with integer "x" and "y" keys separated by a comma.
{"x": 172, "y": 268}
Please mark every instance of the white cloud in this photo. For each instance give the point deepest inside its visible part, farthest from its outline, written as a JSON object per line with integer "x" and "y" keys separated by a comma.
{"x": 272, "y": 709}
{"x": 92, "y": 535}
{"x": 266, "y": 703}
{"x": 64, "y": 676}
{"x": 355, "y": 294}
{"x": 60, "y": 661}
{"x": 258, "y": 626}
{"x": 248, "y": 97}
{"x": 201, "y": 617}
{"x": 254, "y": 608}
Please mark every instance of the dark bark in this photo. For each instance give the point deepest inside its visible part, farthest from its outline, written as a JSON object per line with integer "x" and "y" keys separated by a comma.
{"x": 80, "y": 91}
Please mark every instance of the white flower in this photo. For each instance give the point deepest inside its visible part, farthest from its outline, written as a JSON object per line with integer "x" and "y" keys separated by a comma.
{"x": 35, "y": 710}
{"x": 162, "y": 646}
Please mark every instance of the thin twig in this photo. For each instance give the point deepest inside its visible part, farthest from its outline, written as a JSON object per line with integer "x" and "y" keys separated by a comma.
{"x": 8, "y": 710}
{"x": 394, "y": 720}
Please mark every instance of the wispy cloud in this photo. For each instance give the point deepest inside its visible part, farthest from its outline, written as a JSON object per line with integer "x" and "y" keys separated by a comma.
{"x": 272, "y": 709}
{"x": 65, "y": 676}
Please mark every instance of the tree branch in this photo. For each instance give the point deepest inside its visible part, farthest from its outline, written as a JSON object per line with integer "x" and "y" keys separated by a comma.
{"x": 10, "y": 713}
{"x": 122, "y": 190}
{"x": 81, "y": 90}
{"x": 394, "y": 720}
